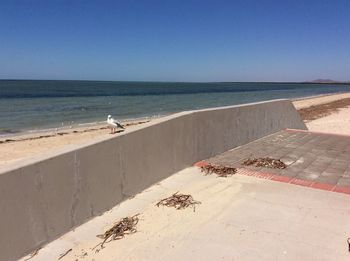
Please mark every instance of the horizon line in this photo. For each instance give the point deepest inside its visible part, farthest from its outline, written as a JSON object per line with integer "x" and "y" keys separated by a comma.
{"x": 317, "y": 81}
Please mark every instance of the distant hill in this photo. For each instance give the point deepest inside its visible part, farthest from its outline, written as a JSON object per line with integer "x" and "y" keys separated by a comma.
{"x": 327, "y": 81}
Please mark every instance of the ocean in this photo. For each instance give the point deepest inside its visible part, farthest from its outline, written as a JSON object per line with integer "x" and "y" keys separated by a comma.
{"x": 32, "y": 105}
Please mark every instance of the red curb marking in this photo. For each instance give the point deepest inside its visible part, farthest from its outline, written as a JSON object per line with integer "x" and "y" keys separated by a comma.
{"x": 317, "y": 132}
{"x": 201, "y": 164}
{"x": 288, "y": 180}
{"x": 262, "y": 175}
{"x": 282, "y": 179}
{"x": 323, "y": 186}
{"x": 295, "y": 181}
{"x": 345, "y": 190}
{"x": 301, "y": 182}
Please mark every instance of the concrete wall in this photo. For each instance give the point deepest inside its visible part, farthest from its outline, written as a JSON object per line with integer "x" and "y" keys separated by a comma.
{"x": 41, "y": 200}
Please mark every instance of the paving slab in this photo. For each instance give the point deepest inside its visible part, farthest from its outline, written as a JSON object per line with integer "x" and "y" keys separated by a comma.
{"x": 316, "y": 157}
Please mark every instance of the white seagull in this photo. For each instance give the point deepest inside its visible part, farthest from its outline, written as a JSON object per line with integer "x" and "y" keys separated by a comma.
{"x": 113, "y": 124}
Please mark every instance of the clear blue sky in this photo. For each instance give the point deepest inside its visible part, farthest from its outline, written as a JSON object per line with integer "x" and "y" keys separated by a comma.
{"x": 173, "y": 40}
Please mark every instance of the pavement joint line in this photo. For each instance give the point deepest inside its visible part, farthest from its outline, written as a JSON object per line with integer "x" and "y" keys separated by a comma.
{"x": 317, "y": 132}
{"x": 286, "y": 179}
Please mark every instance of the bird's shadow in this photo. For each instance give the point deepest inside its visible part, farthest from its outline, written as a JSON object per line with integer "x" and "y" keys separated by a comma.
{"x": 118, "y": 131}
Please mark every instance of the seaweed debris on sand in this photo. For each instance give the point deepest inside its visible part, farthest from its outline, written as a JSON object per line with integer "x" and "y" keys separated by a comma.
{"x": 265, "y": 162}
{"x": 123, "y": 227}
{"x": 179, "y": 201}
{"x": 221, "y": 171}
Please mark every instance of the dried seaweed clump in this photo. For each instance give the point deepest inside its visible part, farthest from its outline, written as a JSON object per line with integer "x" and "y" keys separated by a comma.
{"x": 221, "y": 171}
{"x": 265, "y": 162}
{"x": 124, "y": 227}
{"x": 179, "y": 201}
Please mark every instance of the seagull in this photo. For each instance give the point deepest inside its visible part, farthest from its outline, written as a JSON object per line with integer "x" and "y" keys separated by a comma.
{"x": 113, "y": 124}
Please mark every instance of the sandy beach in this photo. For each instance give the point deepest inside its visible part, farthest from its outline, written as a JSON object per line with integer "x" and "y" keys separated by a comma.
{"x": 328, "y": 113}
{"x": 17, "y": 148}
{"x": 313, "y": 101}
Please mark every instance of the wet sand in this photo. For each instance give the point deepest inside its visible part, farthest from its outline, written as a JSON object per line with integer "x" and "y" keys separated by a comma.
{"x": 329, "y": 113}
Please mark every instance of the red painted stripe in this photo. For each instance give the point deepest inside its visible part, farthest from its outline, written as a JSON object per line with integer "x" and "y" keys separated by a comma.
{"x": 301, "y": 182}
{"x": 201, "y": 164}
{"x": 323, "y": 186}
{"x": 289, "y": 180}
{"x": 282, "y": 179}
{"x": 339, "y": 189}
{"x": 295, "y": 181}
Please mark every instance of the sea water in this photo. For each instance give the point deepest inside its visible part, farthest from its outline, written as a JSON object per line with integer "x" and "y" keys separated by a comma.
{"x": 30, "y": 105}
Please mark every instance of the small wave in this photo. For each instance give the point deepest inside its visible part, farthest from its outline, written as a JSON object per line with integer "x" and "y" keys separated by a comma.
{"x": 8, "y": 131}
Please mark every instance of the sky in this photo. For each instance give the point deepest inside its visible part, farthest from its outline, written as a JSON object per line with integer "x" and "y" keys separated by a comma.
{"x": 174, "y": 40}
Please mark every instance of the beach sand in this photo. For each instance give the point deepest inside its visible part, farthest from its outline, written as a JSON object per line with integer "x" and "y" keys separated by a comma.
{"x": 322, "y": 114}
{"x": 304, "y": 103}
{"x": 329, "y": 114}
{"x": 337, "y": 122}
{"x": 15, "y": 149}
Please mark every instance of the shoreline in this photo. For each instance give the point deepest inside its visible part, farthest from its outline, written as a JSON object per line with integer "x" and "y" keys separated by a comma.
{"x": 52, "y": 133}
{"x": 20, "y": 147}
{"x": 98, "y": 125}
{"x": 80, "y": 127}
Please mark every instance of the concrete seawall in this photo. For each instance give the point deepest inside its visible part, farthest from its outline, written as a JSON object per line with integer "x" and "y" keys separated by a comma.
{"x": 41, "y": 200}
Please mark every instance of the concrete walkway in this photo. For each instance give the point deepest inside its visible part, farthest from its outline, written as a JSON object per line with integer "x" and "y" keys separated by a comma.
{"x": 239, "y": 218}
{"x": 313, "y": 159}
